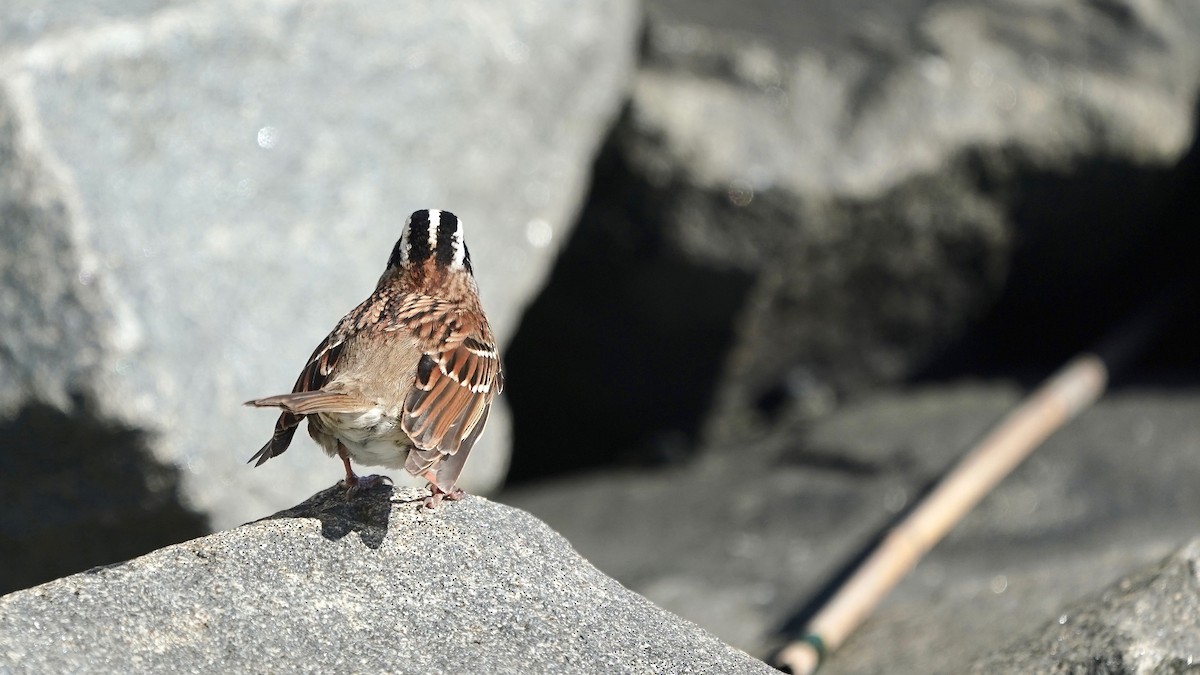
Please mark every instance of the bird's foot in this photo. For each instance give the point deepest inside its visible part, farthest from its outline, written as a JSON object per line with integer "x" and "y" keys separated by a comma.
{"x": 432, "y": 501}
{"x": 353, "y": 483}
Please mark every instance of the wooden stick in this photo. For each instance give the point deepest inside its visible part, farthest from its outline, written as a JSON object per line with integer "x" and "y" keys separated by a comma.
{"x": 1057, "y": 401}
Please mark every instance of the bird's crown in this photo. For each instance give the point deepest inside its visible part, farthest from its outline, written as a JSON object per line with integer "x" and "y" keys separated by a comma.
{"x": 431, "y": 234}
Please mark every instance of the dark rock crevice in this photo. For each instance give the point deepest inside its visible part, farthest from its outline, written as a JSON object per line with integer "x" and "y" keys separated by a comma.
{"x": 618, "y": 357}
{"x": 1092, "y": 245}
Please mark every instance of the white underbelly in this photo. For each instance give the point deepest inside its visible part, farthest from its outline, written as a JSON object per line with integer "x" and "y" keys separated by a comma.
{"x": 372, "y": 438}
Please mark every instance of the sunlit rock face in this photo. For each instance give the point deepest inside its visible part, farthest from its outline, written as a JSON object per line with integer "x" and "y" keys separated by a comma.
{"x": 194, "y": 193}
{"x": 365, "y": 585}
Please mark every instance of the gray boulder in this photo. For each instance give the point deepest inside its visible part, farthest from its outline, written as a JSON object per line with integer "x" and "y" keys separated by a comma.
{"x": 815, "y": 198}
{"x": 367, "y": 584}
{"x": 881, "y": 182}
{"x": 1148, "y": 622}
{"x": 746, "y": 543}
{"x": 191, "y": 195}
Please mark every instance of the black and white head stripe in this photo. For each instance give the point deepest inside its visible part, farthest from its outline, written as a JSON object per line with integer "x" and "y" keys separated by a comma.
{"x": 432, "y": 233}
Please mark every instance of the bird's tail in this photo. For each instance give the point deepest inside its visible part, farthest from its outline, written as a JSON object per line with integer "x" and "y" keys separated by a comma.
{"x": 310, "y": 402}
{"x": 285, "y": 429}
{"x": 296, "y": 405}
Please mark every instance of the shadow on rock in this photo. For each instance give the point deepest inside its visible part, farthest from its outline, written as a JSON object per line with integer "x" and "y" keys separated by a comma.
{"x": 365, "y": 511}
{"x": 80, "y": 491}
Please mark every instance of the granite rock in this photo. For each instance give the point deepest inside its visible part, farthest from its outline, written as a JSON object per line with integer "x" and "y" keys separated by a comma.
{"x": 748, "y": 545}
{"x": 806, "y": 200}
{"x": 883, "y": 188}
{"x": 1148, "y": 622}
{"x": 372, "y": 583}
{"x": 193, "y": 193}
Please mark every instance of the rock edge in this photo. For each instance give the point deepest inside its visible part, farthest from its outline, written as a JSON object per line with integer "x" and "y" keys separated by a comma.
{"x": 369, "y": 583}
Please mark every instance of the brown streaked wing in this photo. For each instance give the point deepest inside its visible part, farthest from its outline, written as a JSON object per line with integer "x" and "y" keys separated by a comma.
{"x": 321, "y": 363}
{"x": 457, "y": 377}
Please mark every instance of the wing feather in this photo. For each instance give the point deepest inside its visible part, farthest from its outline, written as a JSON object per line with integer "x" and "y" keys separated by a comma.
{"x": 458, "y": 377}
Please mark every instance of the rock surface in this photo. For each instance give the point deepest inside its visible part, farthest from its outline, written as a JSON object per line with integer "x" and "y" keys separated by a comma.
{"x": 1148, "y": 622}
{"x": 804, "y": 200}
{"x": 369, "y": 584}
{"x": 194, "y": 192}
{"x": 745, "y": 544}
{"x": 888, "y": 180}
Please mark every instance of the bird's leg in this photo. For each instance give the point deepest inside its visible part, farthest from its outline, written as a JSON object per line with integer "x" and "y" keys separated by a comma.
{"x": 353, "y": 482}
{"x": 351, "y": 479}
{"x": 432, "y": 501}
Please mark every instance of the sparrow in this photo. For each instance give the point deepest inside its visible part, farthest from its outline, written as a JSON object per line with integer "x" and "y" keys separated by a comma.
{"x": 408, "y": 377}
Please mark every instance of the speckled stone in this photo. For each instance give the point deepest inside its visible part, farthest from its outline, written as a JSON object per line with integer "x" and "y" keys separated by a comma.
{"x": 367, "y": 584}
{"x": 1148, "y": 622}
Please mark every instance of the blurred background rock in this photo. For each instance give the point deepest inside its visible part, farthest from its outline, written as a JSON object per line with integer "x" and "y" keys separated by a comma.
{"x": 763, "y": 270}
{"x": 193, "y": 193}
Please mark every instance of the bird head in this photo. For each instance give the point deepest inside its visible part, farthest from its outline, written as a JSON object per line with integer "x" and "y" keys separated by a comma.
{"x": 431, "y": 248}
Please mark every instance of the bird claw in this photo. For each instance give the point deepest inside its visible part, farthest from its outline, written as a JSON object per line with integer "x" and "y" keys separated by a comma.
{"x": 353, "y": 484}
{"x": 432, "y": 501}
